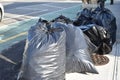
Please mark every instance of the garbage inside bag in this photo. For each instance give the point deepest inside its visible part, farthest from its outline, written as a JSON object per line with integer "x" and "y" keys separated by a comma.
{"x": 78, "y": 57}
{"x": 44, "y": 57}
{"x": 83, "y": 17}
{"x": 105, "y": 18}
{"x": 99, "y": 37}
{"x": 91, "y": 46}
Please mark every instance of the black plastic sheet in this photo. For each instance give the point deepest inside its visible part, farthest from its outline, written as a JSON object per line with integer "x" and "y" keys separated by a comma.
{"x": 99, "y": 37}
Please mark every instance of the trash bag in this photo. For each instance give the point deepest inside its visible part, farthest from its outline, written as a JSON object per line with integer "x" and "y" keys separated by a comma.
{"x": 44, "y": 55}
{"x": 101, "y": 3}
{"x": 105, "y": 18}
{"x": 62, "y": 19}
{"x": 83, "y": 17}
{"x": 91, "y": 46}
{"x": 77, "y": 56}
{"x": 99, "y": 37}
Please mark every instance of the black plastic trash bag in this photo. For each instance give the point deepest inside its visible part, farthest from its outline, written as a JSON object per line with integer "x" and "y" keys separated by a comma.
{"x": 99, "y": 37}
{"x": 44, "y": 55}
{"x": 62, "y": 19}
{"x": 83, "y": 17}
{"x": 78, "y": 57}
{"x": 105, "y": 18}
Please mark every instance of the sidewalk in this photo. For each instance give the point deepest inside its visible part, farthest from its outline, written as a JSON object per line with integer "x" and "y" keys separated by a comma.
{"x": 115, "y": 10}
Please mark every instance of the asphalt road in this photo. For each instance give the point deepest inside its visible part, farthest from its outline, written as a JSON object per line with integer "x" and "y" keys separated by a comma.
{"x": 20, "y": 16}
{"x": 18, "y": 11}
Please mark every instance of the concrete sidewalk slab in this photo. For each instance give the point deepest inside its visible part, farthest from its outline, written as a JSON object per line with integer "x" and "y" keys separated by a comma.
{"x": 115, "y": 10}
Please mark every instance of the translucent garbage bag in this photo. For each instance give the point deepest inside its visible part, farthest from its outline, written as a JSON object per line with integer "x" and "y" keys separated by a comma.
{"x": 78, "y": 57}
{"x": 44, "y": 57}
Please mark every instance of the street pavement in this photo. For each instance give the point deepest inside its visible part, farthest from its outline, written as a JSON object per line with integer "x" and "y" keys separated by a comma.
{"x": 19, "y": 17}
{"x": 19, "y": 11}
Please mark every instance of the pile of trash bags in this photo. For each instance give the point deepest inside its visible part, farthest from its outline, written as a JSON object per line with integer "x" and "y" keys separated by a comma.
{"x": 100, "y": 16}
{"x": 62, "y": 45}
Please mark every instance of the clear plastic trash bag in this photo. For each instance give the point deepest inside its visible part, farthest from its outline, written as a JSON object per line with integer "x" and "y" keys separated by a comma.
{"x": 78, "y": 58}
{"x": 44, "y": 55}
{"x": 77, "y": 53}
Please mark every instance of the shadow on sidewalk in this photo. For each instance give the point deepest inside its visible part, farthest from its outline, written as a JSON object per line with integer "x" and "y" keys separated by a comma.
{"x": 9, "y": 70}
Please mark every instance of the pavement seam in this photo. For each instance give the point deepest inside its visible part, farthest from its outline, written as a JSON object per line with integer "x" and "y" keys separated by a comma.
{"x": 115, "y": 70}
